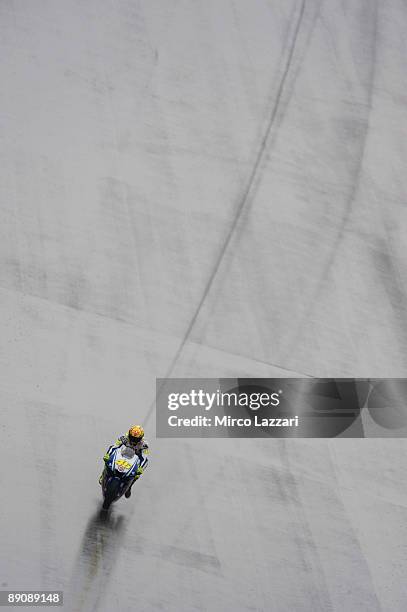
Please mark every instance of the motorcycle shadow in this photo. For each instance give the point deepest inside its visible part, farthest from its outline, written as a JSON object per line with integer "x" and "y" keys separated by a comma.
{"x": 101, "y": 542}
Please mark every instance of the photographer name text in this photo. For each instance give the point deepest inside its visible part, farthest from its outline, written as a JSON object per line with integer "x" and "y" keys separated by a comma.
{"x": 228, "y": 421}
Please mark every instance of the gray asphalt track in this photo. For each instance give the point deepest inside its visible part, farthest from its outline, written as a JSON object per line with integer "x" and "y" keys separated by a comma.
{"x": 200, "y": 189}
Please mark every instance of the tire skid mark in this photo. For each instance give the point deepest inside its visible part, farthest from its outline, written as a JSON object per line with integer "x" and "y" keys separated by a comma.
{"x": 350, "y": 202}
{"x": 352, "y": 532}
{"x": 247, "y": 198}
{"x": 308, "y": 556}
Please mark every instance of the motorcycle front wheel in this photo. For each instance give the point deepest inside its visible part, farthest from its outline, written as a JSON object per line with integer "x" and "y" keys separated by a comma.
{"x": 112, "y": 490}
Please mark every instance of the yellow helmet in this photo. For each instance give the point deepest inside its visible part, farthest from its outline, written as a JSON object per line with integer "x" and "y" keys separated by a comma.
{"x": 136, "y": 433}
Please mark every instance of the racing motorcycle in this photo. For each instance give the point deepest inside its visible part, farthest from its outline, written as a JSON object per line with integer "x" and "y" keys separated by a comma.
{"x": 119, "y": 474}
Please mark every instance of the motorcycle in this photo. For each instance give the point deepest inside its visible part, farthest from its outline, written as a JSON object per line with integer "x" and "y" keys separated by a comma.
{"x": 120, "y": 471}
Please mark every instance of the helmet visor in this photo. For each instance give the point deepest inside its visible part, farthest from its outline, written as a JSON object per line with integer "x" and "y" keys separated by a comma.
{"x": 134, "y": 439}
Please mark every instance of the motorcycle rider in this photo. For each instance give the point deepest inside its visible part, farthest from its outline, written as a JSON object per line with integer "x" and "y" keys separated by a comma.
{"x": 135, "y": 440}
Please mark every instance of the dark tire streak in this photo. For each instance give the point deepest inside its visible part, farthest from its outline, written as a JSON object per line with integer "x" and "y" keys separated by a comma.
{"x": 349, "y": 206}
{"x": 253, "y": 179}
